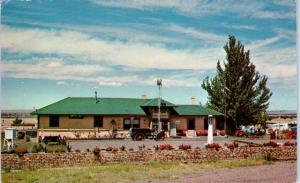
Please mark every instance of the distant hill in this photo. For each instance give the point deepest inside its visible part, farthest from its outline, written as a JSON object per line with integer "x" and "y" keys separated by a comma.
{"x": 21, "y": 113}
{"x": 282, "y": 112}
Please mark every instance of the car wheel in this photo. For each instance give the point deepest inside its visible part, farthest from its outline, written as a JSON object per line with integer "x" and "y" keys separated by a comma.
{"x": 139, "y": 137}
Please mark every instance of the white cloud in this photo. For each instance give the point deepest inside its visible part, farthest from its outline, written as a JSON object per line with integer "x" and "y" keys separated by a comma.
{"x": 54, "y": 64}
{"x": 85, "y": 47}
{"x": 236, "y": 26}
{"x": 256, "y": 9}
{"x": 56, "y": 70}
{"x": 134, "y": 56}
{"x": 60, "y": 83}
{"x": 196, "y": 33}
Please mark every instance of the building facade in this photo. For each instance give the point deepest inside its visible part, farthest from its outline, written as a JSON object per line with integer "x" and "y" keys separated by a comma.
{"x": 96, "y": 117}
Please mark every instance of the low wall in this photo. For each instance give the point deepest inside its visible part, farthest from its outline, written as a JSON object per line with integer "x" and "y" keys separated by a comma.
{"x": 47, "y": 160}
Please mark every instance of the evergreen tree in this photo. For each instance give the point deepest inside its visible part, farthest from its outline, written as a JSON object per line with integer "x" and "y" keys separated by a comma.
{"x": 238, "y": 91}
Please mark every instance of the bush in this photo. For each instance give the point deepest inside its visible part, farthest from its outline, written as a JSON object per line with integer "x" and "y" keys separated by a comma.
{"x": 17, "y": 122}
{"x": 20, "y": 135}
{"x": 21, "y": 151}
{"x": 271, "y": 143}
{"x": 289, "y": 143}
{"x": 97, "y": 150}
{"x": 69, "y": 148}
{"x": 230, "y": 145}
{"x": 27, "y": 138}
{"x": 201, "y": 132}
{"x": 122, "y": 148}
{"x": 166, "y": 147}
{"x": 38, "y": 148}
{"x": 184, "y": 146}
{"x": 222, "y": 133}
{"x": 111, "y": 148}
{"x": 77, "y": 150}
{"x": 291, "y": 135}
{"x": 213, "y": 146}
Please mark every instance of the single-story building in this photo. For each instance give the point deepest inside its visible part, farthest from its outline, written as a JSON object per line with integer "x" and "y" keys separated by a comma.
{"x": 88, "y": 117}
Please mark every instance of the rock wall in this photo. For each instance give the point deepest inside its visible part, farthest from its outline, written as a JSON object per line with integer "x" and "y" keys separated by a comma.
{"x": 47, "y": 160}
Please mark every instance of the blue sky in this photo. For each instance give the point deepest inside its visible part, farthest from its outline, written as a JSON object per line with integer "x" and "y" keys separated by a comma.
{"x": 56, "y": 49}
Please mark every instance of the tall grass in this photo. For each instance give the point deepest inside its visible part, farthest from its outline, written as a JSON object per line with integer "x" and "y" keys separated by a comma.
{"x": 123, "y": 172}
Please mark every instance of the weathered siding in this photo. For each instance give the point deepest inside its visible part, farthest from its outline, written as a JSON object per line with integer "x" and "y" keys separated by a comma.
{"x": 87, "y": 122}
{"x": 199, "y": 122}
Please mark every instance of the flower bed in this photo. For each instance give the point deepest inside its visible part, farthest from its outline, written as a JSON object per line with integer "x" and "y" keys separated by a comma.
{"x": 213, "y": 146}
{"x": 166, "y": 147}
{"x": 184, "y": 146}
{"x": 290, "y": 143}
{"x": 271, "y": 143}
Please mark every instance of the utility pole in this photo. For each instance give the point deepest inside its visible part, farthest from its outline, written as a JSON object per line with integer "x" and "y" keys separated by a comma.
{"x": 159, "y": 84}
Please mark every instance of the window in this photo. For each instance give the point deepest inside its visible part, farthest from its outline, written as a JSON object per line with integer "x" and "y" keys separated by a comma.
{"x": 98, "y": 121}
{"x": 126, "y": 123}
{"x": 75, "y": 116}
{"x": 54, "y": 121}
{"x": 191, "y": 124}
{"x": 136, "y": 123}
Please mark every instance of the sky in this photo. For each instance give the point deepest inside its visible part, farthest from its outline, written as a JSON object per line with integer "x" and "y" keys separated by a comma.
{"x": 58, "y": 48}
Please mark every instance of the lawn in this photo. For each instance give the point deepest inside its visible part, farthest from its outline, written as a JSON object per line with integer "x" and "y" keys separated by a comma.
{"x": 122, "y": 172}
{"x": 22, "y": 143}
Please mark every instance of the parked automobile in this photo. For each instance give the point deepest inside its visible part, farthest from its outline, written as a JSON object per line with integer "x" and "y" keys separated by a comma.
{"x": 139, "y": 134}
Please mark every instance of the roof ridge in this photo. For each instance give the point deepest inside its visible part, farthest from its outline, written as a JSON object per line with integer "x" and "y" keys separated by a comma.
{"x": 52, "y": 104}
{"x": 110, "y": 98}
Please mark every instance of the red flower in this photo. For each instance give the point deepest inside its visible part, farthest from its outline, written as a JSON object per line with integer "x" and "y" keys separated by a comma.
{"x": 166, "y": 147}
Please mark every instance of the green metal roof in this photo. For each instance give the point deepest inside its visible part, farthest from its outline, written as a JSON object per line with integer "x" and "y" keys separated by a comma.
{"x": 104, "y": 106}
{"x": 117, "y": 106}
{"x": 195, "y": 110}
{"x": 154, "y": 103}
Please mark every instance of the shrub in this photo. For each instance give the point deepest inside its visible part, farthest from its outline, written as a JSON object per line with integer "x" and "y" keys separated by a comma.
{"x": 87, "y": 150}
{"x": 38, "y": 148}
{"x": 122, "y": 148}
{"x": 230, "y": 145}
{"x": 184, "y": 146}
{"x": 69, "y": 148}
{"x": 271, "y": 143}
{"x": 166, "y": 147}
{"x": 291, "y": 135}
{"x": 130, "y": 149}
{"x": 77, "y": 150}
{"x": 20, "y": 135}
{"x": 27, "y": 138}
{"x": 109, "y": 148}
{"x": 17, "y": 122}
{"x": 201, "y": 132}
{"x": 213, "y": 146}
{"x": 96, "y": 150}
{"x": 222, "y": 133}
{"x": 289, "y": 143}
{"x": 21, "y": 151}
{"x": 142, "y": 147}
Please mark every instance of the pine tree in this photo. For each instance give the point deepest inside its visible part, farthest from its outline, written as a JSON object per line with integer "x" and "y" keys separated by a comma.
{"x": 238, "y": 91}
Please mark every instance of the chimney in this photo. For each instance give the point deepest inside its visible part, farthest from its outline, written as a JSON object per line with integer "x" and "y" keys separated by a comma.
{"x": 144, "y": 97}
{"x": 194, "y": 101}
{"x": 96, "y": 98}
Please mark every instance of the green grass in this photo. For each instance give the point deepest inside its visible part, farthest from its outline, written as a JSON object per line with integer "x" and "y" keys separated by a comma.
{"x": 21, "y": 143}
{"x": 122, "y": 172}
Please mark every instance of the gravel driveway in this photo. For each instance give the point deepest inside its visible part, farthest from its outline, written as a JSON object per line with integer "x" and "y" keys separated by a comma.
{"x": 280, "y": 172}
{"x": 128, "y": 143}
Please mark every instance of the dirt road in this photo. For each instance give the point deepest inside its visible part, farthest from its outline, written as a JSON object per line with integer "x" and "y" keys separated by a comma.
{"x": 280, "y": 172}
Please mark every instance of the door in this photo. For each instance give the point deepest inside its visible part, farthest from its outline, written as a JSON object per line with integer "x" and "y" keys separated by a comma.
{"x": 191, "y": 124}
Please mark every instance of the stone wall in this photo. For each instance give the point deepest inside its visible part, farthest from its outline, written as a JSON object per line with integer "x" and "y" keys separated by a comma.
{"x": 46, "y": 160}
